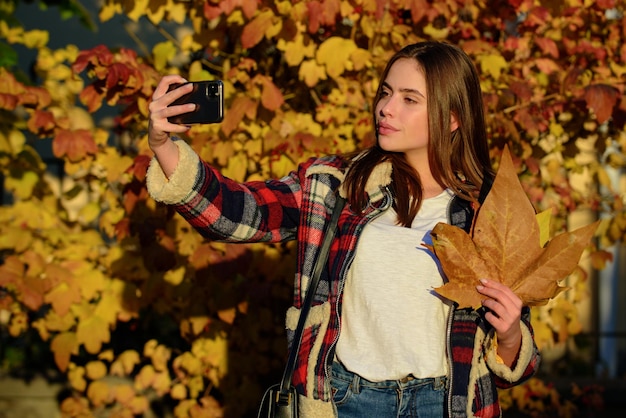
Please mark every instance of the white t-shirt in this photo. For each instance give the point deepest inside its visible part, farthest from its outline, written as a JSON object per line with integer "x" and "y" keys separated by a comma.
{"x": 393, "y": 323}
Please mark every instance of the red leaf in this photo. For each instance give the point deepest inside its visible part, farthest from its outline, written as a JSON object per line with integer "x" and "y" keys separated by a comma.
{"x": 91, "y": 96}
{"x": 548, "y": 46}
{"x": 254, "y": 31}
{"x": 271, "y": 96}
{"x": 41, "y": 122}
{"x": 601, "y": 99}
{"x": 75, "y": 145}
{"x": 97, "y": 56}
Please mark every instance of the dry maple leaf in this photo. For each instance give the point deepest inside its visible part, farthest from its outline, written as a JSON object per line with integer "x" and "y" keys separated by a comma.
{"x": 504, "y": 244}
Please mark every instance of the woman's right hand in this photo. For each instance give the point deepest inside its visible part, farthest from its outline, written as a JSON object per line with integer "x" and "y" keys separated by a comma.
{"x": 159, "y": 127}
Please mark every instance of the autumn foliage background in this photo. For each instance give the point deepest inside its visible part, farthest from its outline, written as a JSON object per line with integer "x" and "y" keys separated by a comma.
{"x": 106, "y": 289}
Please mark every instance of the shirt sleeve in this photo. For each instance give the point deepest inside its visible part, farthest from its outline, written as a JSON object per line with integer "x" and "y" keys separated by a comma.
{"x": 222, "y": 209}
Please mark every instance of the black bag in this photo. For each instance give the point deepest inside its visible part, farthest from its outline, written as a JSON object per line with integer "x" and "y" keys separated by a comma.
{"x": 277, "y": 405}
{"x": 281, "y": 400}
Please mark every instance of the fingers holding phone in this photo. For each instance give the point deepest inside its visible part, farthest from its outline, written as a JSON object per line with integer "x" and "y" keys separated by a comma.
{"x": 208, "y": 98}
{"x": 161, "y": 109}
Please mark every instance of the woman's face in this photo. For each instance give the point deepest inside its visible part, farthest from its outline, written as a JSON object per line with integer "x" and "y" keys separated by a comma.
{"x": 401, "y": 112}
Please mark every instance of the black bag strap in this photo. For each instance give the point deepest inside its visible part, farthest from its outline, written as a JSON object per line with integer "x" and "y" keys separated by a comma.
{"x": 308, "y": 300}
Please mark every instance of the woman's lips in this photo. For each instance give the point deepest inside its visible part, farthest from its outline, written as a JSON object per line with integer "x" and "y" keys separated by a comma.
{"x": 385, "y": 129}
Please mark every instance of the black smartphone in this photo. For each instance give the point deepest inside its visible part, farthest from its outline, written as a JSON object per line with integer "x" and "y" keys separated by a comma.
{"x": 208, "y": 97}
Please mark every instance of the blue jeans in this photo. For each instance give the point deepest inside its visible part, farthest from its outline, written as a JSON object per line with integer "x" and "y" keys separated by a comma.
{"x": 356, "y": 397}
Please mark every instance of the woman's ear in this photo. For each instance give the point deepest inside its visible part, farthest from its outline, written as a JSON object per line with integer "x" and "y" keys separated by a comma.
{"x": 454, "y": 125}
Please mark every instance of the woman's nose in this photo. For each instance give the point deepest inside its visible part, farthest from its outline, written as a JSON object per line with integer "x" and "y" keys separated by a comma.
{"x": 386, "y": 108}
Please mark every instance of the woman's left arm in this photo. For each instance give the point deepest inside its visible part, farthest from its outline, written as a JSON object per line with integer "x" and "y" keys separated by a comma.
{"x": 504, "y": 314}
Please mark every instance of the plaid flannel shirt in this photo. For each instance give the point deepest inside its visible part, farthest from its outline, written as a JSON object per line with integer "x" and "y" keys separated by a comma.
{"x": 299, "y": 206}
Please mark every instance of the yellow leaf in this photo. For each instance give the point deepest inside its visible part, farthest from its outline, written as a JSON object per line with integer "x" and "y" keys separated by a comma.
{"x": 16, "y": 238}
{"x": 332, "y": 48}
{"x": 139, "y": 405}
{"x": 295, "y": 51}
{"x": 98, "y": 393}
{"x": 107, "y": 355}
{"x": 237, "y": 167}
{"x": 197, "y": 72}
{"x": 145, "y": 377}
{"x": 177, "y": 11}
{"x": 108, "y": 307}
{"x": 108, "y": 10}
{"x": 160, "y": 357}
{"x": 16, "y": 141}
{"x": 543, "y": 220}
{"x": 163, "y": 52}
{"x": 179, "y": 391}
{"x": 63, "y": 345}
{"x": 114, "y": 163}
{"x": 123, "y": 394}
{"x": 96, "y": 370}
{"x": 138, "y": 9}
{"x": 156, "y": 12}
{"x": 196, "y": 386}
{"x": 92, "y": 332}
{"x": 162, "y": 383}
{"x": 188, "y": 364}
{"x": 89, "y": 213}
{"x": 311, "y": 73}
{"x": 493, "y": 65}
{"x": 76, "y": 377}
{"x": 361, "y": 58}
{"x": 175, "y": 276}
{"x": 36, "y": 38}
{"x": 23, "y": 186}
{"x": 436, "y": 33}
{"x": 62, "y": 296}
{"x": 125, "y": 363}
{"x": 91, "y": 282}
{"x": 57, "y": 323}
{"x": 214, "y": 352}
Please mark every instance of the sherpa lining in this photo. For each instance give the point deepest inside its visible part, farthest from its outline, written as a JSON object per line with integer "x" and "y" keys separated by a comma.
{"x": 175, "y": 189}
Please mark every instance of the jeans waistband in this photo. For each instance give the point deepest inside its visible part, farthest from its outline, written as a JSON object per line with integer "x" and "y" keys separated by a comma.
{"x": 339, "y": 371}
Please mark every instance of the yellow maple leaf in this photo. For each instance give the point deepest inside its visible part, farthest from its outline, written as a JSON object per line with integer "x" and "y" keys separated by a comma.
{"x": 62, "y": 296}
{"x": 295, "y": 50}
{"x": 63, "y": 345}
{"x": 493, "y": 64}
{"x": 108, "y": 10}
{"x": 92, "y": 332}
{"x": 22, "y": 186}
{"x": 311, "y": 73}
{"x": 330, "y": 49}
{"x": 163, "y": 52}
{"x": 504, "y": 245}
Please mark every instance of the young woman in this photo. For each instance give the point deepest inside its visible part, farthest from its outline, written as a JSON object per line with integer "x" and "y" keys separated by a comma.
{"x": 378, "y": 341}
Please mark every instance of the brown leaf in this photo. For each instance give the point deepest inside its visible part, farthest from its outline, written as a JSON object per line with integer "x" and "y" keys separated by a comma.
{"x": 504, "y": 245}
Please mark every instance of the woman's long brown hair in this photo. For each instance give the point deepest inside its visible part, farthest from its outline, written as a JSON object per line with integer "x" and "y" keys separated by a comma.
{"x": 458, "y": 159}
